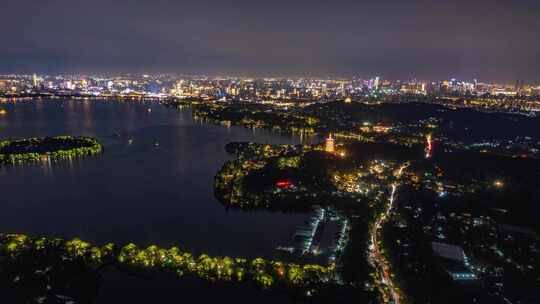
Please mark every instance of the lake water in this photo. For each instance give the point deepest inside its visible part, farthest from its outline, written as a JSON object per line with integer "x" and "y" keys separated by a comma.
{"x": 153, "y": 184}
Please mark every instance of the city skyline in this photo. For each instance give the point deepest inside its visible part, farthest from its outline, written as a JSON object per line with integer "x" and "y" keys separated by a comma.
{"x": 267, "y": 77}
{"x": 491, "y": 40}
{"x": 519, "y": 98}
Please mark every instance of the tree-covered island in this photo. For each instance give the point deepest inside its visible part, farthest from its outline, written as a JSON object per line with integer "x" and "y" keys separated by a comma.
{"x": 18, "y": 151}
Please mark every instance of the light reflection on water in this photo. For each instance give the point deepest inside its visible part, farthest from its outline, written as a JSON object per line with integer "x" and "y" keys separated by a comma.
{"x": 156, "y": 189}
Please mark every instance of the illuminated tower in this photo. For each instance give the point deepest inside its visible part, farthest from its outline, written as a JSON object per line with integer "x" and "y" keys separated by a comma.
{"x": 429, "y": 146}
{"x": 329, "y": 144}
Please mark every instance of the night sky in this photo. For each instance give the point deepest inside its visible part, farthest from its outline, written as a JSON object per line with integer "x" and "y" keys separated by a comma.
{"x": 492, "y": 40}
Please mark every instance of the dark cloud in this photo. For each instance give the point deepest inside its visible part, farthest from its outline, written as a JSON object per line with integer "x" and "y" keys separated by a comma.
{"x": 488, "y": 39}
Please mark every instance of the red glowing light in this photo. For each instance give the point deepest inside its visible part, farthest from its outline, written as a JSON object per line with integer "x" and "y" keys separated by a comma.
{"x": 284, "y": 184}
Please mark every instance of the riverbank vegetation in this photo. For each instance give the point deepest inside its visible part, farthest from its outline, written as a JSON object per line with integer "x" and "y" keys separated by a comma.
{"x": 265, "y": 273}
{"x": 37, "y": 149}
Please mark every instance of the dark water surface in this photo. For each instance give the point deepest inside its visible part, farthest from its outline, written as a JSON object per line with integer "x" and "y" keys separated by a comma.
{"x": 153, "y": 184}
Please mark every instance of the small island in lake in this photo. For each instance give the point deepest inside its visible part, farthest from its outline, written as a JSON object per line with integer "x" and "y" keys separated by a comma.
{"x": 58, "y": 147}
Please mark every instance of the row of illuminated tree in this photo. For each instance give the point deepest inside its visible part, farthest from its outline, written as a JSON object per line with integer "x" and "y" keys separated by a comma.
{"x": 266, "y": 273}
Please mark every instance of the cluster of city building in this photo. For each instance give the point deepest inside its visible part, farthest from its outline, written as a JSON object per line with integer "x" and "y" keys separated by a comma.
{"x": 251, "y": 89}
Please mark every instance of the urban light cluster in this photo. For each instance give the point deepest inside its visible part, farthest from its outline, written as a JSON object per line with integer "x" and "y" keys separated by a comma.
{"x": 517, "y": 97}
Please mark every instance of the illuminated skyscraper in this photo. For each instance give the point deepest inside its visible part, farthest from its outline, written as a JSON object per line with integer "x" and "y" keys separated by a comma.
{"x": 376, "y": 83}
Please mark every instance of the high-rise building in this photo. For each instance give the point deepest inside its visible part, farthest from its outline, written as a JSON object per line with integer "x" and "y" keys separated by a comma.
{"x": 519, "y": 86}
{"x": 376, "y": 83}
